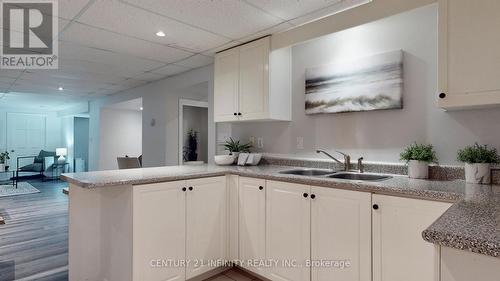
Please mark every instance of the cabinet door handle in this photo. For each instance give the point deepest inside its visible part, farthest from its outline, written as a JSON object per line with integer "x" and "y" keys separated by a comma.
{"x": 313, "y": 196}
{"x": 235, "y": 114}
{"x": 442, "y": 95}
{"x": 190, "y": 188}
{"x": 305, "y": 195}
{"x": 261, "y": 187}
{"x": 183, "y": 189}
{"x": 239, "y": 113}
{"x": 375, "y": 206}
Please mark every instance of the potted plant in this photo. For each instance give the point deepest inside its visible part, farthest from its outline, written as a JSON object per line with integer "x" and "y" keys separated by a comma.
{"x": 4, "y": 156}
{"x": 418, "y": 157}
{"x": 478, "y": 160}
{"x": 235, "y": 147}
{"x": 192, "y": 145}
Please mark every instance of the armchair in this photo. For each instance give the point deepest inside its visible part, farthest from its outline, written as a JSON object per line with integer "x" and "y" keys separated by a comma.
{"x": 41, "y": 163}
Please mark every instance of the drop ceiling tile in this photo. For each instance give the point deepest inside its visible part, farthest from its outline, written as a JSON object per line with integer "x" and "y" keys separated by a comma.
{"x": 131, "y": 83}
{"x": 112, "y": 14}
{"x": 327, "y": 11}
{"x": 10, "y": 73}
{"x": 7, "y": 80}
{"x": 76, "y": 52}
{"x": 100, "y": 68}
{"x": 196, "y": 61}
{"x": 149, "y": 76}
{"x": 97, "y": 38}
{"x": 273, "y": 30}
{"x": 233, "y": 19}
{"x": 231, "y": 44}
{"x": 68, "y": 9}
{"x": 290, "y": 9}
{"x": 171, "y": 69}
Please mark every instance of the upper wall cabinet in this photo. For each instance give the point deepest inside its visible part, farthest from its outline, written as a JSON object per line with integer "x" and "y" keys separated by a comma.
{"x": 469, "y": 54}
{"x": 253, "y": 83}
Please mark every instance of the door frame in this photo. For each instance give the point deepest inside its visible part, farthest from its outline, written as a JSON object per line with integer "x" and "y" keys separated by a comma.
{"x": 182, "y": 103}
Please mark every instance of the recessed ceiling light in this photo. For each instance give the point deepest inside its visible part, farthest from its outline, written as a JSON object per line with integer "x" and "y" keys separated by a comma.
{"x": 160, "y": 34}
{"x": 60, "y": 88}
{"x": 141, "y": 108}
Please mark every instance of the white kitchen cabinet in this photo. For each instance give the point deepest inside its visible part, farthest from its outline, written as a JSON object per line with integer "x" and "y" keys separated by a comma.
{"x": 288, "y": 226}
{"x": 341, "y": 231}
{"x": 180, "y": 221}
{"x": 206, "y": 224}
{"x": 226, "y": 85}
{"x": 159, "y": 228}
{"x": 233, "y": 216}
{"x": 252, "y": 221}
{"x": 252, "y": 83}
{"x": 469, "y": 54}
{"x": 399, "y": 251}
{"x": 459, "y": 265}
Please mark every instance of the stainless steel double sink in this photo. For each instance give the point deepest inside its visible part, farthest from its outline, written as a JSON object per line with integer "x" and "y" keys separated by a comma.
{"x": 354, "y": 176}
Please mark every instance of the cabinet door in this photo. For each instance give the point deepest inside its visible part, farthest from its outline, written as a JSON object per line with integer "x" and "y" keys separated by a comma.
{"x": 469, "y": 53}
{"x": 159, "y": 217}
{"x": 252, "y": 222}
{"x": 206, "y": 224}
{"x": 399, "y": 251}
{"x": 226, "y": 82}
{"x": 254, "y": 80}
{"x": 288, "y": 231}
{"x": 341, "y": 231}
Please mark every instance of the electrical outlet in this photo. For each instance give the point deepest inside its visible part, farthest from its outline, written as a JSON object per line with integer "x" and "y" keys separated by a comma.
{"x": 300, "y": 142}
{"x": 260, "y": 142}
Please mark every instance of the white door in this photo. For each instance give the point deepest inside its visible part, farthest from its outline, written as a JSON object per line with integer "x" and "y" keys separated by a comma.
{"x": 399, "y": 251}
{"x": 254, "y": 80}
{"x": 159, "y": 217}
{"x": 252, "y": 222}
{"x": 341, "y": 231}
{"x": 288, "y": 231}
{"x": 469, "y": 53}
{"x": 26, "y": 135}
{"x": 226, "y": 82}
{"x": 206, "y": 227}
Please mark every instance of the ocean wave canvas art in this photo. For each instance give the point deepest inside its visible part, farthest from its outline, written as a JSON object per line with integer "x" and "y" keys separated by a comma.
{"x": 371, "y": 83}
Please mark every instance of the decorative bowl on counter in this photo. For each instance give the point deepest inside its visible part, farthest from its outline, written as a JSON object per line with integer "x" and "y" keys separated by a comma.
{"x": 224, "y": 160}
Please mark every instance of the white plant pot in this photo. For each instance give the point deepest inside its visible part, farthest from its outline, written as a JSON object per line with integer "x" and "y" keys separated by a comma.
{"x": 418, "y": 169}
{"x": 478, "y": 173}
{"x": 236, "y": 155}
{"x": 2, "y": 167}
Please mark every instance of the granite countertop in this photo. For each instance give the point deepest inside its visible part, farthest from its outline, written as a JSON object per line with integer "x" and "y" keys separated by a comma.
{"x": 472, "y": 223}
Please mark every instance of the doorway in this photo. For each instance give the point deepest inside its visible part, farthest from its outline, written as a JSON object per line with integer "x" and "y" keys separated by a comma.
{"x": 193, "y": 132}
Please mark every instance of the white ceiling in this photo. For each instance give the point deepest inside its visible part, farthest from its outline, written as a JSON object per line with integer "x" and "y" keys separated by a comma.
{"x": 107, "y": 46}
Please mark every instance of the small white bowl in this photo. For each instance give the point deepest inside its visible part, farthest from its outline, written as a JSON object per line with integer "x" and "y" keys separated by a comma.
{"x": 224, "y": 160}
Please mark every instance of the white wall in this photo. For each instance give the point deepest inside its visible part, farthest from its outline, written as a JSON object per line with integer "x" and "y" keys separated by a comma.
{"x": 161, "y": 104}
{"x": 120, "y": 135}
{"x": 379, "y": 136}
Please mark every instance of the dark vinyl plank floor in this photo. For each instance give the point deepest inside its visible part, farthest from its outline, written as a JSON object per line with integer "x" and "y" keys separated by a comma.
{"x": 34, "y": 239}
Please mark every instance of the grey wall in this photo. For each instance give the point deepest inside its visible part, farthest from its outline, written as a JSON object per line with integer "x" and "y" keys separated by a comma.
{"x": 81, "y": 138}
{"x": 379, "y": 136}
{"x": 161, "y": 104}
{"x": 120, "y": 135}
{"x": 196, "y": 118}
